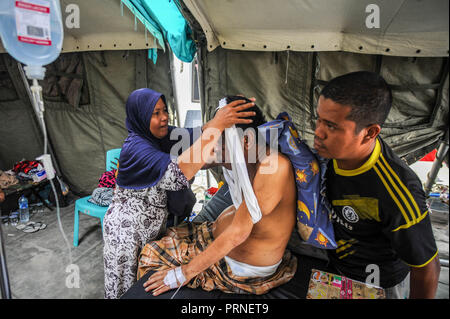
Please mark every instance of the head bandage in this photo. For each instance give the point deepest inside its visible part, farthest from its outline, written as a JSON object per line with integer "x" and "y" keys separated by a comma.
{"x": 237, "y": 178}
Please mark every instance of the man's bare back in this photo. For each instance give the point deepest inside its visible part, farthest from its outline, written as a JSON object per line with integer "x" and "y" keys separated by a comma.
{"x": 268, "y": 239}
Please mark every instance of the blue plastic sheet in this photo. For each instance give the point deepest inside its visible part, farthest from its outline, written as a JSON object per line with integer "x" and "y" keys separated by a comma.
{"x": 140, "y": 13}
{"x": 166, "y": 23}
{"x": 153, "y": 55}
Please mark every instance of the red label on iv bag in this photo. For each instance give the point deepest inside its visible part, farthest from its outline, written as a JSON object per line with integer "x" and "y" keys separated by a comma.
{"x": 32, "y": 6}
{"x": 33, "y": 21}
{"x": 34, "y": 41}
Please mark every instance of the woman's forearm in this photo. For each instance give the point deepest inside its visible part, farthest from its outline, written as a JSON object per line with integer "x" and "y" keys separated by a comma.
{"x": 195, "y": 157}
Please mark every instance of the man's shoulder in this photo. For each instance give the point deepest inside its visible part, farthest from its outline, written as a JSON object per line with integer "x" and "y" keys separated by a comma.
{"x": 272, "y": 182}
{"x": 274, "y": 164}
{"x": 396, "y": 166}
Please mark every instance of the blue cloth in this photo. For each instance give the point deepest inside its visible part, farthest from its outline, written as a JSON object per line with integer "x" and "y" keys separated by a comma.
{"x": 312, "y": 208}
{"x": 140, "y": 13}
{"x": 142, "y": 161}
{"x": 150, "y": 25}
{"x": 153, "y": 55}
{"x": 167, "y": 19}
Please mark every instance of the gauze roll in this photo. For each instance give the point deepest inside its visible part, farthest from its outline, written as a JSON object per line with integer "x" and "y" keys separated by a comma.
{"x": 237, "y": 178}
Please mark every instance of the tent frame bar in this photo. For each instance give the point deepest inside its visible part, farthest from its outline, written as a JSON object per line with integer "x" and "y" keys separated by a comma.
{"x": 5, "y": 288}
{"x": 437, "y": 164}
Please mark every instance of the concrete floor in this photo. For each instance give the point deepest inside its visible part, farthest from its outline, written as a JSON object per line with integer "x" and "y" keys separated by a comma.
{"x": 39, "y": 264}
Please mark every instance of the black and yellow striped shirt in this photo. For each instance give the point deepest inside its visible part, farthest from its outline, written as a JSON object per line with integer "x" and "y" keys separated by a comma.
{"x": 380, "y": 217}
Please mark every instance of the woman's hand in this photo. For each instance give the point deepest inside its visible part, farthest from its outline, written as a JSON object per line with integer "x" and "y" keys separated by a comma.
{"x": 156, "y": 282}
{"x": 193, "y": 159}
{"x": 232, "y": 113}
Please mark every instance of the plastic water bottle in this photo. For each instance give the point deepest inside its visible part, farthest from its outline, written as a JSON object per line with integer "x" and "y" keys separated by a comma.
{"x": 32, "y": 32}
{"x": 24, "y": 212}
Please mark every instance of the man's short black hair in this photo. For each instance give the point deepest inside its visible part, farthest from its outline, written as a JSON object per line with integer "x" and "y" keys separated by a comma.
{"x": 258, "y": 118}
{"x": 367, "y": 93}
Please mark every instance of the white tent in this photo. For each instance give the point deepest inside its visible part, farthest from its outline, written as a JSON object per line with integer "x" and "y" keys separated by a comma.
{"x": 399, "y": 28}
{"x": 283, "y": 52}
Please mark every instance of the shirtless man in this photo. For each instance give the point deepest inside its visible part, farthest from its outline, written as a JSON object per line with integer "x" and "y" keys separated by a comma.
{"x": 236, "y": 237}
{"x": 263, "y": 243}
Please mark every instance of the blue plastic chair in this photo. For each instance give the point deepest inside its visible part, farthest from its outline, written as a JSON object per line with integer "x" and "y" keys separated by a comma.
{"x": 82, "y": 205}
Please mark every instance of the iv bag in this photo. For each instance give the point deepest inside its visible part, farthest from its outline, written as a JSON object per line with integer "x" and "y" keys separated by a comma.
{"x": 32, "y": 32}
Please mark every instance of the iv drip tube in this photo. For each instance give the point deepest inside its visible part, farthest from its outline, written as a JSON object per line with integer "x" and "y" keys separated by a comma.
{"x": 36, "y": 99}
{"x": 38, "y": 105}
{"x": 43, "y": 130}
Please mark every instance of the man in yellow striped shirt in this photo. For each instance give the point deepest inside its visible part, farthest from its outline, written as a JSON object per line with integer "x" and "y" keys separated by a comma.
{"x": 380, "y": 216}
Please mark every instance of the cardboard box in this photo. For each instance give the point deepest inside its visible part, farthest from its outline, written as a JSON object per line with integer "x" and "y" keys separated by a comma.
{"x": 325, "y": 285}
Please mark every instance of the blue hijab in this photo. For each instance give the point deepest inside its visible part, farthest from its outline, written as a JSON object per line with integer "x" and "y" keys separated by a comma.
{"x": 144, "y": 158}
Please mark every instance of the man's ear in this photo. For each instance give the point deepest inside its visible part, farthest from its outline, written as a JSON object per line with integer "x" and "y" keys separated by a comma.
{"x": 246, "y": 140}
{"x": 372, "y": 131}
{"x": 249, "y": 139}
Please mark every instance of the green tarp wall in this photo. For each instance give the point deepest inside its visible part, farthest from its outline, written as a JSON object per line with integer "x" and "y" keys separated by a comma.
{"x": 84, "y": 96}
{"x": 291, "y": 81}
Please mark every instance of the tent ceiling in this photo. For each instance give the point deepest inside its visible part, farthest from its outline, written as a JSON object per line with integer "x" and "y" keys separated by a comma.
{"x": 407, "y": 27}
{"x": 102, "y": 27}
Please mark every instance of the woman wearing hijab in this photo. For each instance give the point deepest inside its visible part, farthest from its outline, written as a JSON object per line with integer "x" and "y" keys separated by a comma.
{"x": 138, "y": 212}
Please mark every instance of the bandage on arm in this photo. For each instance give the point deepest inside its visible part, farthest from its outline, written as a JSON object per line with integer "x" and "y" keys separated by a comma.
{"x": 174, "y": 278}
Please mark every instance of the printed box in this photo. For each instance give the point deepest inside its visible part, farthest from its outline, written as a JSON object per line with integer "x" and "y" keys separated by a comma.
{"x": 325, "y": 285}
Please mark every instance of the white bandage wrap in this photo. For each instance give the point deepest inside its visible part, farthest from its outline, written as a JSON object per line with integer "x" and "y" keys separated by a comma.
{"x": 237, "y": 179}
{"x": 174, "y": 278}
{"x": 245, "y": 270}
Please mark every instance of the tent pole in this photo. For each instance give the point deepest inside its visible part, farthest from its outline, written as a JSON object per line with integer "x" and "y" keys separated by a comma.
{"x": 437, "y": 164}
{"x": 4, "y": 278}
{"x": 176, "y": 220}
{"x": 201, "y": 86}
{"x": 174, "y": 87}
{"x": 50, "y": 149}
